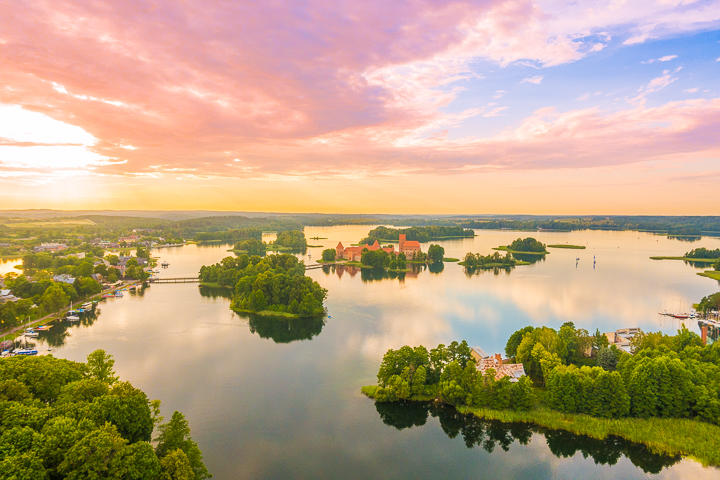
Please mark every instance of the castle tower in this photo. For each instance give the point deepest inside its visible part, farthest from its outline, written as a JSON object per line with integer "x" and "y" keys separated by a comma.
{"x": 402, "y": 242}
{"x": 339, "y": 250}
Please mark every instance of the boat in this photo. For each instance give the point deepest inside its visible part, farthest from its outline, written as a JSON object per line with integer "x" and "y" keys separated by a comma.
{"x": 681, "y": 316}
{"x": 30, "y": 333}
{"x": 86, "y": 305}
{"x": 118, "y": 293}
{"x": 25, "y": 351}
{"x": 108, "y": 295}
{"x": 72, "y": 318}
{"x": 43, "y": 328}
{"x": 165, "y": 264}
{"x": 133, "y": 288}
{"x": 6, "y": 345}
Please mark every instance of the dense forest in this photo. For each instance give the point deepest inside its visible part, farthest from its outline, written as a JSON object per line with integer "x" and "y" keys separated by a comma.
{"x": 421, "y": 234}
{"x": 71, "y": 420}
{"x": 275, "y": 283}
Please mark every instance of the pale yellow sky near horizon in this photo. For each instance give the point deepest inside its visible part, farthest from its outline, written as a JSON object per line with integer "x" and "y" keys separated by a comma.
{"x": 637, "y": 189}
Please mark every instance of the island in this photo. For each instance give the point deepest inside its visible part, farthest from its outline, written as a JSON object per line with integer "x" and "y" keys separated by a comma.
{"x": 565, "y": 245}
{"x": 419, "y": 234}
{"x": 275, "y": 285}
{"x": 699, "y": 255}
{"x": 494, "y": 260}
{"x": 376, "y": 256}
{"x": 664, "y": 394}
{"x": 66, "y": 419}
{"x": 527, "y": 246}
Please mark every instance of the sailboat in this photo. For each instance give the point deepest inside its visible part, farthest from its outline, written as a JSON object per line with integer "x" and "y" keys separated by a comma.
{"x": 71, "y": 317}
{"x": 26, "y": 350}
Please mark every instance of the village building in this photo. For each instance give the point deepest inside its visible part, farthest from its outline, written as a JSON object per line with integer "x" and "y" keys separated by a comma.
{"x": 621, "y": 338}
{"x": 50, "y": 247}
{"x": 408, "y": 247}
{"x": 64, "y": 278}
{"x": 486, "y": 362}
{"x": 130, "y": 239}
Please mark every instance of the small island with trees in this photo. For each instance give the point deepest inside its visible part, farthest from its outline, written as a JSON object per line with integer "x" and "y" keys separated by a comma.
{"x": 474, "y": 261}
{"x": 527, "y": 246}
{"x": 275, "y": 285}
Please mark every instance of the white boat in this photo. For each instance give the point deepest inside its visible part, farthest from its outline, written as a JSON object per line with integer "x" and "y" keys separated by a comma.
{"x": 86, "y": 305}
{"x": 25, "y": 351}
{"x": 73, "y": 318}
{"x": 31, "y": 333}
{"x": 118, "y": 293}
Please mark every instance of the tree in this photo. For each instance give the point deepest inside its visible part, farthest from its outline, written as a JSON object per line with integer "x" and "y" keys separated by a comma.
{"x": 175, "y": 435}
{"x": 435, "y": 253}
{"x": 309, "y": 306}
{"x": 176, "y": 466}
{"x": 142, "y": 253}
{"x": 328, "y": 255}
{"x": 113, "y": 259}
{"x": 514, "y": 341}
{"x": 608, "y": 358}
{"x": 54, "y": 299}
{"x": 100, "y": 366}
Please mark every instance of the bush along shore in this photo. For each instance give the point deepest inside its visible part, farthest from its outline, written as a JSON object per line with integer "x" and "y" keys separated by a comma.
{"x": 665, "y": 396}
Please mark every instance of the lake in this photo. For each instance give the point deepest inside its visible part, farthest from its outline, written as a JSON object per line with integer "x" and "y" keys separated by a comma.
{"x": 281, "y": 399}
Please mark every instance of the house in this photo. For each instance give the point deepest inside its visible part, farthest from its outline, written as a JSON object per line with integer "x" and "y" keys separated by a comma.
{"x": 486, "y": 362}
{"x": 97, "y": 277}
{"x": 621, "y": 338}
{"x": 354, "y": 254}
{"x": 130, "y": 239}
{"x": 6, "y": 296}
{"x": 50, "y": 247}
{"x": 64, "y": 278}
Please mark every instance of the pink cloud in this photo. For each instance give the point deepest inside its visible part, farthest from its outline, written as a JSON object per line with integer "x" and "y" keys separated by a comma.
{"x": 304, "y": 88}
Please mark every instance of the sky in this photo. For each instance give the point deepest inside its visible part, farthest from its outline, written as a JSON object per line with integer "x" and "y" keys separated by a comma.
{"x": 408, "y": 107}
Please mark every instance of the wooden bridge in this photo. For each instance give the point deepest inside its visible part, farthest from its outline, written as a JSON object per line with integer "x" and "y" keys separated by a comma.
{"x": 174, "y": 280}
{"x": 314, "y": 267}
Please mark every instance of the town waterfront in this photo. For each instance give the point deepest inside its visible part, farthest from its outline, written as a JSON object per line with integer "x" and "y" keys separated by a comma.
{"x": 281, "y": 398}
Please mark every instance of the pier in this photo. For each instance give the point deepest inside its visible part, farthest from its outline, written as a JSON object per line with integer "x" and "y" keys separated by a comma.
{"x": 174, "y": 280}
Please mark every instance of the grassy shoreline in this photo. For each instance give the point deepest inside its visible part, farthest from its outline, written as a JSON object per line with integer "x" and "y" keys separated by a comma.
{"x": 698, "y": 260}
{"x": 488, "y": 266}
{"x": 449, "y": 259}
{"x": 689, "y": 438}
{"x": 267, "y": 313}
{"x": 574, "y": 247}
{"x": 710, "y": 274}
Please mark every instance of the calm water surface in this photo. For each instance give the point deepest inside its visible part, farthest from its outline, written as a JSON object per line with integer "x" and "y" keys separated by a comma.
{"x": 282, "y": 399}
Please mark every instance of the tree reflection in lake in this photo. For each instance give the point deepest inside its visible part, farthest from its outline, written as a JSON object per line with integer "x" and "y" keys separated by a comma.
{"x": 489, "y": 434}
{"x": 529, "y": 257}
{"x": 214, "y": 292}
{"x": 286, "y": 330}
{"x": 55, "y": 337}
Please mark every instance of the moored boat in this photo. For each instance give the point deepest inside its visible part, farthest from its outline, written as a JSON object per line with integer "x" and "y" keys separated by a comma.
{"x": 118, "y": 293}
{"x": 30, "y": 333}
{"x": 73, "y": 318}
{"x": 25, "y": 351}
{"x": 86, "y": 306}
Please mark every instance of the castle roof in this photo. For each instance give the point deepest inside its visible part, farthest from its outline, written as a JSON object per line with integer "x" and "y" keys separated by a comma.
{"x": 411, "y": 243}
{"x": 339, "y": 245}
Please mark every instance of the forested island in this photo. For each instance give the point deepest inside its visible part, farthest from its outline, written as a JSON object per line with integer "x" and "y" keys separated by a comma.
{"x": 665, "y": 395}
{"x": 271, "y": 285}
{"x": 700, "y": 257}
{"x": 71, "y": 420}
{"x": 474, "y": 261}
{"x": 529, "y": 246}
{"x": 420, "y": 234}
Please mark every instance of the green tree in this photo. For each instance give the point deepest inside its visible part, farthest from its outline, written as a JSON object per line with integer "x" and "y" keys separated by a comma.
{"x": 113, "y": 259}
{"x": 435, "y": 253}
{"x": 176, "y": 466}
{"x": 100, "y": 366}
{"x": 54, "y": 299}
{"x": 310, "y": 306}
{"x": 514, "y": 341}
{"x": 328, "y": 255}
{"x": 608, "y": 358}
{"x": 175, "y": 435}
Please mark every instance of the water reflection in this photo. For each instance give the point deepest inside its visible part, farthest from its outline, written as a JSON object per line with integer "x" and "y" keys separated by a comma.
{"x": 60, "y": 331}
{"x": 375, "y": 275}
{"x": 286, "y": 330}
{"x": 490, "y": 434}
{"x": 528, "y": 257}
{"x": 470, "y": 271}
